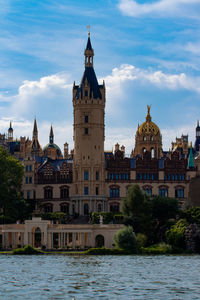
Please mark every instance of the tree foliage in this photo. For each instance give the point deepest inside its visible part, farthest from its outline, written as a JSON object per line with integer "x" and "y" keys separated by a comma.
{"x": 125, "y": 239}
{"x": 175, "y": 235}
{"x": 12, "y": 204}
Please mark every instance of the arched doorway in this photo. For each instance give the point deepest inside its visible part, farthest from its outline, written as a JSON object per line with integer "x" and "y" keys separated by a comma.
{"x": 86, "y": 209}
{"x": 38, "y": 237}
{"x": 99, "y": 241}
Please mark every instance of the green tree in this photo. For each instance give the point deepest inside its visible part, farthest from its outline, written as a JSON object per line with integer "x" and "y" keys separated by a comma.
{"x": 164, "y": 208}
{"x": 137, "y": 210}
{"x": 12, "y": 204}
{"x": 125, "y": 239}
{"x": 175, "y": 235}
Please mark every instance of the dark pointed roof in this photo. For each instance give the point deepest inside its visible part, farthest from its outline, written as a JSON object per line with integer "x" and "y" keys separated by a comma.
{"x": 90, "y": 76}
{"x": 51, "y": 135}
{"x": 10, "y": 128}
{"x": 89, "y": 45}
{"x": 35, "y": 131}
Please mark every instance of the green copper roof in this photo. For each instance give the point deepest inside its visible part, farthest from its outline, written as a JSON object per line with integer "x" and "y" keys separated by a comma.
{"x": 191, "y": 159}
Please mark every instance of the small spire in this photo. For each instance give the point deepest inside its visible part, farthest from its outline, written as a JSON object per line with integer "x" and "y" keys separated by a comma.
{"x": 10, "y": 128}
{"x": 51, "y": 135}
{"x": 35, "y": 130}
{"x": 197, "y": 123}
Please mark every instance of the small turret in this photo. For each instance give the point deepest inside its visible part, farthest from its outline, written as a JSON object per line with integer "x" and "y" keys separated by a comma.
{"x": 51, "y": 136}
{"x": 10, "y": 133}
{"x": 89, "y": 53}
{"x": 197, "y": 141}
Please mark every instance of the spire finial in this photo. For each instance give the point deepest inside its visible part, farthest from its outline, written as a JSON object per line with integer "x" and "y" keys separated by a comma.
{"x": 148, "y": 117}
{"x": 88, "y": 27}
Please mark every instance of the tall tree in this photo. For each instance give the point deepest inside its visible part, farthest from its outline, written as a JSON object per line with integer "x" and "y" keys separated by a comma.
{"x": 12, "y": 204}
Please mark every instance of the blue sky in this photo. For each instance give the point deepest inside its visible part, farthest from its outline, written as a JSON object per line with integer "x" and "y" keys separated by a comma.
{"x": 148, "y": 52}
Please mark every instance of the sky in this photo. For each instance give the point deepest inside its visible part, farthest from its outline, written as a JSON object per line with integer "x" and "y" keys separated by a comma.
{"x": 148, "y": 53}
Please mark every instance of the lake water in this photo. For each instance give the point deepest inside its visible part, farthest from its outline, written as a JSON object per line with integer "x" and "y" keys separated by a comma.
{"x": 99, "y": 277}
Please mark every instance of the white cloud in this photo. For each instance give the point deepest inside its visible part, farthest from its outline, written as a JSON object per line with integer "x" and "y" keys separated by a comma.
{"x": 49, "y": 99}
{"x": 125, "y": 73}
{"x": 163, "y": 7}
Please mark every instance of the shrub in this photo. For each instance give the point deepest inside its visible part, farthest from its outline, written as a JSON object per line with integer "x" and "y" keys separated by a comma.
{"x": 141, "y": 239}
{"x": 160, "y": 248}
{"x": 105, "y": 251}
{"x": 175, "y": 235}
{"x": 27, "y": 250}
{"x": 125, "y": 239}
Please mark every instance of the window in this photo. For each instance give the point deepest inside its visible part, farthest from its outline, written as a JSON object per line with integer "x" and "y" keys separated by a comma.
{"x": 99, "y": 207}
{"x": 86, "y": 93}
{"x": 147, "y": 191}
{"x": 26, "y": 168}
{"x": 97, "y": 175}
{"x": 114, "y": 207}
{"x": 86, "y": 209}
{"x": 48, "y": 193}
{"x": 97, "y": 190}
{"x": 48, "y": 208}
{"x": 64, "y": 192}
{"x": 30, "y": 168}
{"x": 64, "y": 207}
{"x": 86, "y": 190}
{"x": 86, "y": 119}
{"x": 30, "y": 179}
{"x": 179, "y": 192}
{"x": 86, "y": 130}
{"x": 152, "y": 153}
{"x": 163, "y": 192}
{"x": 86, "y": 175}
{"x": 27, "y": 180}
{"x": 28, "y": 194}
{"x": 114, "y": 192}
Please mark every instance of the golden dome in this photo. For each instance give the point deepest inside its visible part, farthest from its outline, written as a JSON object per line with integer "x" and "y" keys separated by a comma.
{"x": 148, "y": 127}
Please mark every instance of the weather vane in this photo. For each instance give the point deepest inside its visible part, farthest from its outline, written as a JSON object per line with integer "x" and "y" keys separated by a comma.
{"x": 88, "y": 27}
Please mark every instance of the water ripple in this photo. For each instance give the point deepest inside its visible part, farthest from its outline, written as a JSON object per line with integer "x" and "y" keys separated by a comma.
{"x": 99, "y": 277}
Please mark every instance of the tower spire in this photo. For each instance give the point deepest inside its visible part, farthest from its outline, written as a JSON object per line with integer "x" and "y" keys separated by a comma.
{"x": 51, "y": 135}
{"x": 35, "y": 130}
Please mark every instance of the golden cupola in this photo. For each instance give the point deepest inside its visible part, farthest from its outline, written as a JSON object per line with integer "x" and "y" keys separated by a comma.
{"x": 148, "y": 138}
{"x": 148, "y": 127}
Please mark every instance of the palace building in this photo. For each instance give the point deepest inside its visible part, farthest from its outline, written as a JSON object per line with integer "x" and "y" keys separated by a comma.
{"x": 91, "y": 180}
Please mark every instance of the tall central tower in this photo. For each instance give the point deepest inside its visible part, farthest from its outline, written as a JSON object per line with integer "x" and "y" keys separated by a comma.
{"x": 89, "y": 161}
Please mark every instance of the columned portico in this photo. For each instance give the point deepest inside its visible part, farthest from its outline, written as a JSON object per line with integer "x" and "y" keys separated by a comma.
{"x": 53, "y": 236}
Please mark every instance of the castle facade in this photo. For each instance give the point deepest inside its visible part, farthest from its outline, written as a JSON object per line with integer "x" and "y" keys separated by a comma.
{"x": 91, "y": 180}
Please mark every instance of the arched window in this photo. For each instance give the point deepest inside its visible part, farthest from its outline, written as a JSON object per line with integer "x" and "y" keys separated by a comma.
{"x": 163, "y": 192}
{"x": 179, "y": 192}
{"x": 48, "y": 208}
{"x": 147, "y": 190}
{"x": 64, "y": 192}
{"x": 144, "y": 150}
{"x": 64, "y": 207}
{"x": 152, "y": 152}
{"x": 144, "y": 138}
{"x": 48, "y": 192}
{"x": 99, "y": 241}
{"x": 99, "y": 207}
{"x": 114, "y": 207}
